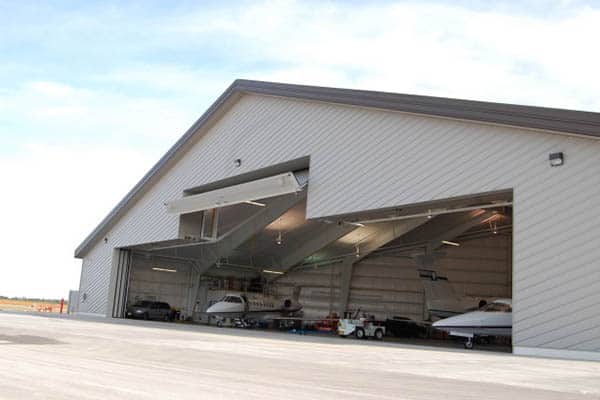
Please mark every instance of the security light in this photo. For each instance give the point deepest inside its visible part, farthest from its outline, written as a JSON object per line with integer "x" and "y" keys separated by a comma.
{"x": 237, "y": 162}
{"x": 556, "y": 159}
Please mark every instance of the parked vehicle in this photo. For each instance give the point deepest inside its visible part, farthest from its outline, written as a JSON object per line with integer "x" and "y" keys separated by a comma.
{"x": 405, "y": 327}
{"x": 362, "y": 328}
{"x": 155, "y": 310}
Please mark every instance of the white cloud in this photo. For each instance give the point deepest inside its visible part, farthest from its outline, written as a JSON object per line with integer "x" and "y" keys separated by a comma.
{"x": 97, "y": 133}
{"x": 88, "y": 114}
{"x": 421, "y": 48}
{"x": 52, "y": 198}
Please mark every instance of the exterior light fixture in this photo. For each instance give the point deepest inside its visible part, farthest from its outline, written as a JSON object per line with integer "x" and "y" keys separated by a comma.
{"x": 450, "y": 243}
{"x": 556, "y": 159}
{"x": 270, "y": 271}
{"x": 164, "y": 269}
{"x": 237, "y": 162}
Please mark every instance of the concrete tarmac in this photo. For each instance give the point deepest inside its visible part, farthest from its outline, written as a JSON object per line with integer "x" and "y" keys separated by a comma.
{"x": 66, "y": 358}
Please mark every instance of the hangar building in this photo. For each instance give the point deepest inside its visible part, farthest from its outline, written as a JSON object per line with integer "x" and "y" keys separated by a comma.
{"x": 350, "y": 195}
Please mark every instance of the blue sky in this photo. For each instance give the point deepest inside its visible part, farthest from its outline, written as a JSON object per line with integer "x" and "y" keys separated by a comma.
{"x": 93, "y": 93}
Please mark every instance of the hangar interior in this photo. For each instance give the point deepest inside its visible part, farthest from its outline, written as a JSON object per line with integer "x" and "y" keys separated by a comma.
{"x": 232, "y": 237}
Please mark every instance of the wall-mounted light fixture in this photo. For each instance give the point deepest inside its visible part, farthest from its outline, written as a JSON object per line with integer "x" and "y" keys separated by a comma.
{"x": 237, "y": 162}
{"x": 556, "y": 159}
{"x": 279, "y": 238}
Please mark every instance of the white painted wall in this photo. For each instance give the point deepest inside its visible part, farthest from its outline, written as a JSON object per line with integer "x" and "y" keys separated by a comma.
{"x": 364, "y": 159}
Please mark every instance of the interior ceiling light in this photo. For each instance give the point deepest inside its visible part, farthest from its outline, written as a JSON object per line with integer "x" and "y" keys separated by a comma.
{"x": 355, "y": 224}
{"x": 279, "y": 238}
{"x": 164, "y": 269}
{"x": 450, "y": 243}
{"x": 255, "y": 203}
{"x": 494, "y": 227}
{"x": 270, "y": 271}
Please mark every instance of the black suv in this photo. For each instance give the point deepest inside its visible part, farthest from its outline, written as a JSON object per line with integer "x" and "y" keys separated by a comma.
{"x": 150, "y": 310}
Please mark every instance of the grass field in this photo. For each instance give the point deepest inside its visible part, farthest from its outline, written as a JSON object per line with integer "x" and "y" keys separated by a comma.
{"x": 31, "y": 305}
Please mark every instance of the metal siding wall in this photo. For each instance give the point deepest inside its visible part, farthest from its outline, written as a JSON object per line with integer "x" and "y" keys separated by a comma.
{"x": 95, "y": 280}
{"x": 417, "y": 159}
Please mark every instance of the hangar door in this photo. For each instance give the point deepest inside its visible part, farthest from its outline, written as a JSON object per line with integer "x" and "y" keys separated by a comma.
{"x": 123, "y": 270}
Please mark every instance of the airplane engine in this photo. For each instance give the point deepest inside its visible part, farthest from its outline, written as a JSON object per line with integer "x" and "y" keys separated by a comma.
{"x": 291, "y": 305}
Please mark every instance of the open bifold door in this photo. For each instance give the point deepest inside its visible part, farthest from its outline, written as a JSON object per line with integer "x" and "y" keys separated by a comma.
{"x": 272, "y": 186}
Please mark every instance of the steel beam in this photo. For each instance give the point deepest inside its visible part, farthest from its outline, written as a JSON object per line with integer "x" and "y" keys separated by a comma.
{"x": 226, "y": 244}
{"x": 396, "y": 230}
{"x": 475, "y": 218}
{"x": 328, "y": 235}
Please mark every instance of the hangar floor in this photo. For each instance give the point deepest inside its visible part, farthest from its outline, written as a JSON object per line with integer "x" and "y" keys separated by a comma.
{"x": 57, "y": 358}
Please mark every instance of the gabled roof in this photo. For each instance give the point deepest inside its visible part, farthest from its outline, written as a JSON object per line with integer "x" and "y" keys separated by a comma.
{"x": 549, "y": 119}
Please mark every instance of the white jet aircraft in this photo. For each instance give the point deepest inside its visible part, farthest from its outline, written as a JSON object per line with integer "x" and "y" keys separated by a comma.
{"x": 493, "y": 319}
{"x": 441, "y": 301}
{"x": 255, "y": 305}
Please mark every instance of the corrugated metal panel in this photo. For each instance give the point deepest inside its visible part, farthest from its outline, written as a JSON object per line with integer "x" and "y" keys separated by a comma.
{"x": 393, "y": 159}
{"x": 386, "y": 286}
{"x": 95, "y": 280}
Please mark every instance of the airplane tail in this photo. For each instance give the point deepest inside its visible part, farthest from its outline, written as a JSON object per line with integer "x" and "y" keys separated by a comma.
{"x": 296, "y": 293}
{"x": 440, "y": 298}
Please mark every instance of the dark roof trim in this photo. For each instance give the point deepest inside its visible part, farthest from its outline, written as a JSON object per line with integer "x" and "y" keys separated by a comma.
{"x": 550, "y": 119}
